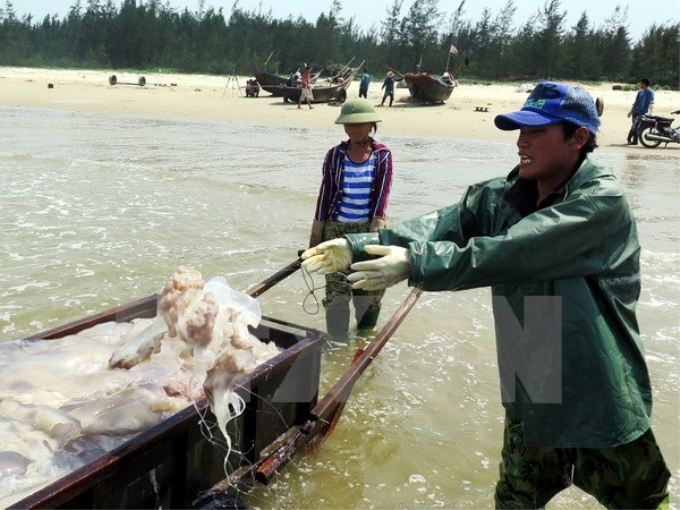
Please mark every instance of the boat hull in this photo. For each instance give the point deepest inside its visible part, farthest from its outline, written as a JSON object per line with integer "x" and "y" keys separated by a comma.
{"x": 427, "y": 88}
{"x": 265, "y": 78}
{"x": 172, "y": 463}
{"x": 321, "y": 94}
{"x": 335, "y": 91}
{"x": 271, "y": 82}
{"x": 276, "y": 84}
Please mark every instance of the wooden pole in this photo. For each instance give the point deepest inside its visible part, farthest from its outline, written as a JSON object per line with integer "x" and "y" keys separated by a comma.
{"x": 267, "y": 284}
{"x": 265, "y": 62}
{"x": 325, "y": 413}
{"x": 393, "y": 70}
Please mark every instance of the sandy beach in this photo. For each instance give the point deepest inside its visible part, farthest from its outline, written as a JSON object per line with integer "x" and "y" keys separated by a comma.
{"x": 204, "y": 97}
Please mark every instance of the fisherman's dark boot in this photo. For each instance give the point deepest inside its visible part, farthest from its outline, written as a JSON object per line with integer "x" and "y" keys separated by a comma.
{"x": 337, "y": 319}
{"x": 369, "y": 320}
{"x": 367, "y": 309}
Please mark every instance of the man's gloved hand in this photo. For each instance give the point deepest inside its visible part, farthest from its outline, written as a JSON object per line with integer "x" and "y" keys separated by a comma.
{"x": 391, "y": 268}
{"x": 650, "y": 111}
{"x": 327, "y": 257}
{"x": 630, "y": 113}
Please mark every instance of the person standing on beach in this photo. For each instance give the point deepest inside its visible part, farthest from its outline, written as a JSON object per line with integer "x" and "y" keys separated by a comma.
{"x": 294, "y": 78}
{"x": 355, "y": 188}
{"x": 363, "y": 83}
{"x": 388, "y": 85}
{"x": 644, "y": 102}
{"x": 306, "y": 92}
{"x": 557, "y": 243}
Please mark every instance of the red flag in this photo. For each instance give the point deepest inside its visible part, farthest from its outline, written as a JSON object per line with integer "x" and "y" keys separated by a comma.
{"x": 453, "y": 50}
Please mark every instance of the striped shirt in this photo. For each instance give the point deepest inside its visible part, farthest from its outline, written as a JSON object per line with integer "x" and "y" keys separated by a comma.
{"x": 356, "y": 191}
{"x": 333, "y": 186}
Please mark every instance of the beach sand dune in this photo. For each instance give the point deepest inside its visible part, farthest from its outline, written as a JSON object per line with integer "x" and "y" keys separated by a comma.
{"x": 222, "y": 98}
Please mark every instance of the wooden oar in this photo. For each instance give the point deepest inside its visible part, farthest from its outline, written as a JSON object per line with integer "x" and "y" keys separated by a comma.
{"x": 327, "y": 411}
{"x": 343, "y": 69}
{"x": 393, "y": 70}
{"x": 265, "y": 62}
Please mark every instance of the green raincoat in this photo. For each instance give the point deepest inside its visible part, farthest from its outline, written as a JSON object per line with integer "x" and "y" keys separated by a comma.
{"x": 582, "y": 252}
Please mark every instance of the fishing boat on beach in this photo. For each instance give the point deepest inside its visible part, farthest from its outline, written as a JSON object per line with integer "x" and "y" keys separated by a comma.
{"x": 275, "y": 83}
{"x": 271, "y": 82}
{"x": 426, "y": 87}
{"x": 265, "y": 78}
{"x": 325, "y": 91}
{"x": 429, "y": 88}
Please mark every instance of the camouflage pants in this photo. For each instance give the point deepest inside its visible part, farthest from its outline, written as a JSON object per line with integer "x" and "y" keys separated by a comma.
{"x": 339, "y": 293}
{"x": 633, "y": 475}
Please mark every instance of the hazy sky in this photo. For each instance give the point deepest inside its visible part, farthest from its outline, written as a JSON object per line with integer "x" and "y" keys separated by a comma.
{"x": 367, "y": 13}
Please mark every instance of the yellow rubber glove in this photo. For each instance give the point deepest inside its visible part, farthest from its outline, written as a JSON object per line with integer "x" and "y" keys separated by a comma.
{"x": 327, "y": 257}
{"x": 392, "y": 267}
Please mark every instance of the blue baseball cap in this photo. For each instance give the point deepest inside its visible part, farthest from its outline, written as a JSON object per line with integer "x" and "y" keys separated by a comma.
{"x": 550, "y": 103}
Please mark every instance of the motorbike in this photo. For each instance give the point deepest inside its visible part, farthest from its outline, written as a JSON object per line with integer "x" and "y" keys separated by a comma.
{"x": 653, "y": 130}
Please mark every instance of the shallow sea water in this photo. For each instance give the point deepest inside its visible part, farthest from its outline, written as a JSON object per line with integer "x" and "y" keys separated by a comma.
{"x": 96, "y": 211}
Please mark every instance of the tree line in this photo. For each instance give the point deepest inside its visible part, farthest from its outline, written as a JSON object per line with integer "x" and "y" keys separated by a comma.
{"x": 140, "y": 35}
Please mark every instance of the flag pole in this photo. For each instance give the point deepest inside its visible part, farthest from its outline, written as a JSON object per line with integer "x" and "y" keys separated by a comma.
{"x": 452, "y": 51}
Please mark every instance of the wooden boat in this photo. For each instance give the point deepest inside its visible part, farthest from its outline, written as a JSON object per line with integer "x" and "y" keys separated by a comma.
{"x": 266, "y": 78}
{"x": 271, "y": 82}
{"x": 428, "y": 88}
{"x": 172, "y": 463}
{"x": 274, "y": 83}
{"x": 335, "y": 89}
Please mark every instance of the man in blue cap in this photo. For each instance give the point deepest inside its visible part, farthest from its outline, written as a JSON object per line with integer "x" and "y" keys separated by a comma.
{"x": 557, "y": 243}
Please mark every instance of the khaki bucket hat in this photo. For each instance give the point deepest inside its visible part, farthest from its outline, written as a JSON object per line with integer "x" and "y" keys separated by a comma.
{"x": 357, "y": 111}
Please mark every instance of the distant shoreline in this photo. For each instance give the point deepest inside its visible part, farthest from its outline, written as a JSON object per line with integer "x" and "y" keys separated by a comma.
{"x": 222, "y": 98}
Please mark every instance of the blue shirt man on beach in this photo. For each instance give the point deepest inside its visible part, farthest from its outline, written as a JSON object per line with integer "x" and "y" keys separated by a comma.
{"x": 644, "y": 101}
{"x": 363, "y": 84}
